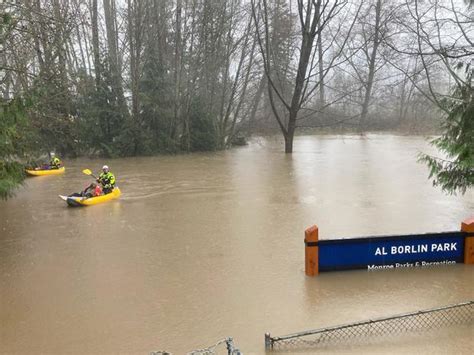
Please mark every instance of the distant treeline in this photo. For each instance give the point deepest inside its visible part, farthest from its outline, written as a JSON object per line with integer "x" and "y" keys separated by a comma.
{"x": 141, "y": 77}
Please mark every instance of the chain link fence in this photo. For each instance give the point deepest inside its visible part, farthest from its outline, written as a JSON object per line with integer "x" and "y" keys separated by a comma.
{"x": 224, "y": 346}
{"x": 461, "y": 313}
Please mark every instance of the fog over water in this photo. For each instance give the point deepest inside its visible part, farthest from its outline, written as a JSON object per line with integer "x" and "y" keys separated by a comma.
{"x": 205, "y": 246}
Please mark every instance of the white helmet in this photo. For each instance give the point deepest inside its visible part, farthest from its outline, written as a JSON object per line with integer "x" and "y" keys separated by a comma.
{"x": 52, "y": 154}
{"x": 105, "y": 167}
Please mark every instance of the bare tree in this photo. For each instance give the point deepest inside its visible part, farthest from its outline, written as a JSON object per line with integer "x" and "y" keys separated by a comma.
{"x": 439, "y": 35}
{"x": 95, "y": 43}
{"x": 113, "y": 55}
{"x": 313, "y": 16}
{"x": 372, "y": 57}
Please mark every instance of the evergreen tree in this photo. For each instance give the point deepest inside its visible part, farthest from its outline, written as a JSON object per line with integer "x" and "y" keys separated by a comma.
{"x": 100, "y": 118}
{"x": 156, "y": 111}
{"x": 13, "y": 138}
{"x": 456, "y": 172}
{"x": 202, "y": 129}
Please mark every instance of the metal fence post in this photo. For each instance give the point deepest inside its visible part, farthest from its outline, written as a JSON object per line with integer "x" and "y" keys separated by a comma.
{"x": 268, "y": 342}
{"x": 230, "y": 346}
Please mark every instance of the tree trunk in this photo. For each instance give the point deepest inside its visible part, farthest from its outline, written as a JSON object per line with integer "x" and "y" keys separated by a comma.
{"x": 289, "y": 142}
{"x": 257, "y": 99}
{"x": 134, "y": 37}
{"x": 310, "y": 23}
{"x": 306, "y": 47}
{"x": 370, "y": 78}
{"x": 81, "y": 50}
{"x": 322, "y": 94}
{"x": 115, "y": 70}
{"x": 177, "y": 71}
{"x": 87, "y": 46}
{"x": 95, "y": 44}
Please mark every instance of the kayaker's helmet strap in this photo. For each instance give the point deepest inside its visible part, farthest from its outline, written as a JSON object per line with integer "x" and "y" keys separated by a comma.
{"x": 105, "y": 167}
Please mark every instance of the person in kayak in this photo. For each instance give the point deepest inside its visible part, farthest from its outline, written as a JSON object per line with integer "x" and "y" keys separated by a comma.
{"x": 93, "y": 190}
{"x": 55, "y": 162}
{"x": 107, "y": 180}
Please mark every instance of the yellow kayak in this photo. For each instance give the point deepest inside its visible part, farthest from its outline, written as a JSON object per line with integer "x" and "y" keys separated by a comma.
{"x": 76, "y": 201}
{"x": 46, "y": 172}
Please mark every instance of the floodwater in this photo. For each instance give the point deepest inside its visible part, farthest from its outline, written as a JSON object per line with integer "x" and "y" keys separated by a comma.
{"x": 205, "y": 246}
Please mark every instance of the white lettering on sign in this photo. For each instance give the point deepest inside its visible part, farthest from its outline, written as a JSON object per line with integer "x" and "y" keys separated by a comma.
{"x": 404, "y": 265}
{"x": 416, "y": 264}
{"x": 376, "y": 267}
{"x": 434, "y": 263}
{"x": 417, "y": 248}
{"x": 443, "y": 247}
{"x": 409, "y": 249}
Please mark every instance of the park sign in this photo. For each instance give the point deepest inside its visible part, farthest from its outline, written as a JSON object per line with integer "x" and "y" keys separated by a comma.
{"x": 389, "y": 252}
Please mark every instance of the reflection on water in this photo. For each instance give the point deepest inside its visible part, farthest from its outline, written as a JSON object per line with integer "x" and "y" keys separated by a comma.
{"x": 205, "y": 246}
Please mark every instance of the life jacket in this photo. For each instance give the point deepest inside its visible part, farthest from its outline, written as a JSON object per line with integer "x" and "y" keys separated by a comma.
{"x": 107, "y": 180}
{"x": 55, "y": 163}
{"x": 97, "y": 191}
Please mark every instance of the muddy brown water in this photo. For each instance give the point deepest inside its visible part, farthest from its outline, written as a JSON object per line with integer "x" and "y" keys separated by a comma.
{"x": 206, "y": 246}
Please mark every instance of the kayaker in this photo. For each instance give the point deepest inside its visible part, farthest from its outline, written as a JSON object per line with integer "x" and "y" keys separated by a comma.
{"x": 55, "y": 162}
{"x": 107, "y": 180}
{"x": 93, "y": 190}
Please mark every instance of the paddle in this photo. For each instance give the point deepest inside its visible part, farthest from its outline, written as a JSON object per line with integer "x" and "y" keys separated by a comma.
{"x": 88, "y": 172}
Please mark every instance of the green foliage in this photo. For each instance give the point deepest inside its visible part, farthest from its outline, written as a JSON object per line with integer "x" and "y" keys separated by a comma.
{"x": 203, "y": 134}
{"x": 6, "y": 20}
{"x": 87, "y": 114}
{"x": 6, "y": 24}
{"x": 10, "y": 114}
{"x": 123, "y": 111}
{"x": 456, "y": 172}
{"x": 131, "y": 139}
{"x": 13, "y": 142}
{"x": 52, "y": 114}
{"x": 152, "y": 133}
{"x": 156, "y": 88}
{"x": 99, "y": 118}
{"x": 11, "y": 176}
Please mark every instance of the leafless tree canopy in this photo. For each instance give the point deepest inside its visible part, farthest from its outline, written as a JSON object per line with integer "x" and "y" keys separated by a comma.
{"x": 143, "y": 76}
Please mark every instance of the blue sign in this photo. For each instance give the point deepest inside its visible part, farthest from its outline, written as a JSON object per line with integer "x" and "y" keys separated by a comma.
{"x": 391, "y": 251}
